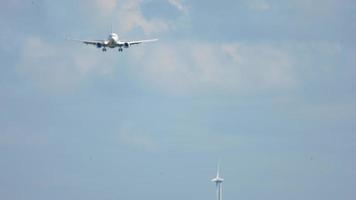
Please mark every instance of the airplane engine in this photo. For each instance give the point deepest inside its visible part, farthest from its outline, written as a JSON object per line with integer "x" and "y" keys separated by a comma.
{"x": 126, "y": 45}
{"x": 98, "y": 45}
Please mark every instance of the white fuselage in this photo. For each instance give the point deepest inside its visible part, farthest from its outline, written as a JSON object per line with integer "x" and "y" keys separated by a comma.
{"x": 113, "y": 40}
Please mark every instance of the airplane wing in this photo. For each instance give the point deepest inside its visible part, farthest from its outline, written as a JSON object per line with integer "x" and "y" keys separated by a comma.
{"x": 141, "y": 41}
{"x": 93, "y": 42}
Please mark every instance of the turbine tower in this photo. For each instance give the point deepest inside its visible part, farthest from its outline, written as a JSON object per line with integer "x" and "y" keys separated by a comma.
{"x": 218, "y": 181}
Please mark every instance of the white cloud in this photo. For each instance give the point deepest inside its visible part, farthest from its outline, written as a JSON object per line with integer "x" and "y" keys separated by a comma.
{"x": 179, "y": 5}
{"x": 188, "y": 68}
{"x": 178, "y": 68}
{"x": 106, "y": 6}
{"x": 56, "y": 66}
{"x": 127, "y": 15}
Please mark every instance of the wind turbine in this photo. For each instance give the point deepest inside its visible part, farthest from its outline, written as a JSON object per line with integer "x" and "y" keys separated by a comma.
{"x": 218, "y": 181}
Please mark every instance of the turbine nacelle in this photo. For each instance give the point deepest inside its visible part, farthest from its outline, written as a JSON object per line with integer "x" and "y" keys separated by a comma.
{"x": 217, "y": 180}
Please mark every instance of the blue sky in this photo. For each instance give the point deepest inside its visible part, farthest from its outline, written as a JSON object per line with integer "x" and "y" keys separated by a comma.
{"x": 265, "y": 86}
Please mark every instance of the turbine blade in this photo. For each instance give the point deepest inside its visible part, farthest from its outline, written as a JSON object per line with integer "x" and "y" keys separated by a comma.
{"x": 218, "y": 170}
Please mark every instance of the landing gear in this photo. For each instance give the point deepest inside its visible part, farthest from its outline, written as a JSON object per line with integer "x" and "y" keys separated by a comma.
{"x": 104, "y": 49}
{"x": 120, "y": 49}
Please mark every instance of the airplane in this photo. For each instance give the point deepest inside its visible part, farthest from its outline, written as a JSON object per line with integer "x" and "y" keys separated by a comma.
{"x": 113, "y": 41}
